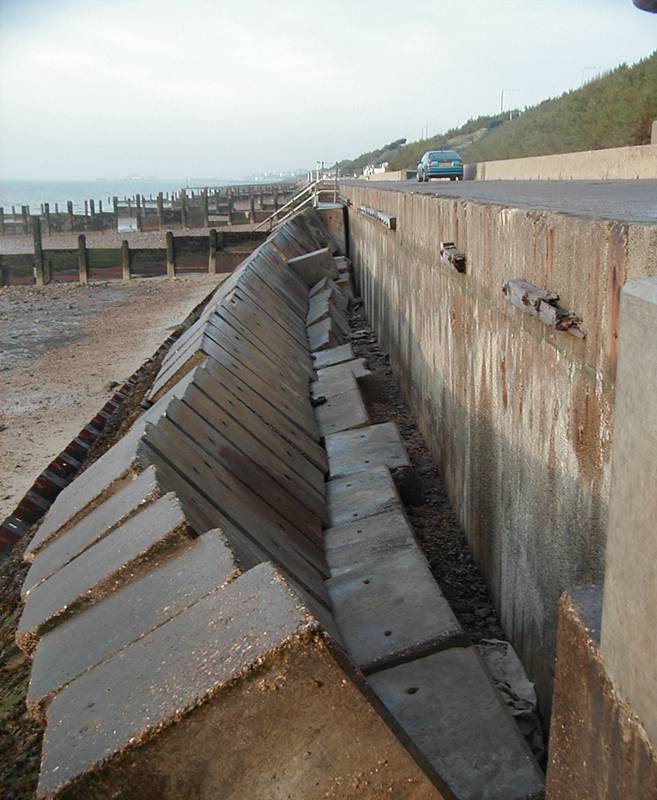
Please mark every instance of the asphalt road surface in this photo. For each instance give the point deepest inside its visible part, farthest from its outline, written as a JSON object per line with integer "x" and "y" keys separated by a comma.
{"x": 626, "y": 201}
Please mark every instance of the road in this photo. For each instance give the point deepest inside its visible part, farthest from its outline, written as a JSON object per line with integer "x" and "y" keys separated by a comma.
{"x": 625, "y": 201}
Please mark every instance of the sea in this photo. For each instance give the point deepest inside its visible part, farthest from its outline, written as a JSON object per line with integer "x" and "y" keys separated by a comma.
{"x": 33, "y": 193}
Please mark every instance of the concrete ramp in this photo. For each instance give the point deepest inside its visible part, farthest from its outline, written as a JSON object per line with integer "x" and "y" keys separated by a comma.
{"x": 232, "y": 592}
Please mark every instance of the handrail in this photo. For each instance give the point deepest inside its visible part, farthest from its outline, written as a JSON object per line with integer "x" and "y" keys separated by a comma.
{"x": 290, "y": 202}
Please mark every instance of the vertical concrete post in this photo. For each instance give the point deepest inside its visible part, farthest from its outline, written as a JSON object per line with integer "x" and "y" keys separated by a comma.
{"x": 629, "y": 633}
{"x": 125, "y": 260}
{"x": 71, "y": 215}
{"x": 83, "y": 259}
{"x": 212, "y": 252}
{"x": 171, "y": 256}
{"x": 160, "y": 210}
{"x": 39, "y": 272}
{"x": 183, "y": 208}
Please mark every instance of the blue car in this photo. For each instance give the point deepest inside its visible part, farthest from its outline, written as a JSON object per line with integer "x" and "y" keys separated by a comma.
{"x": 440, "y": 164}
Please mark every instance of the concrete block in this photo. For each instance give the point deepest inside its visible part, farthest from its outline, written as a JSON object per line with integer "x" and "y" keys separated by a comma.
{"x": 174, "y": 581}
{"x": 391, "y": 609}
{"x": 447, "y": 705}
{"x": 333, "y": 372}
{"x": 312, "y": 267}
{"x": 360, "y": 495}
{"x": 92, "y": 527}
{"x": 343, "y": 412}
{"x": 336, "y": 355}
{"x": 322, "y": 336}
{"x": 237, "y": 696}
{"x": 353, "y": 451}
{"x": 357, "y": 543}
{"x": 271, "y": 537}
{"x": 100, "y": 570}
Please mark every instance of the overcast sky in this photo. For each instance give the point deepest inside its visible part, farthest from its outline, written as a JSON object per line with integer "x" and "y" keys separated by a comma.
{"x": 225, "y": 88}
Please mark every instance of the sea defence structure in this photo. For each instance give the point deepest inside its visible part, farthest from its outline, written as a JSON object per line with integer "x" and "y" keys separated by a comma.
{"x": 230, "y": 602}
{"x": 522, "y": 340}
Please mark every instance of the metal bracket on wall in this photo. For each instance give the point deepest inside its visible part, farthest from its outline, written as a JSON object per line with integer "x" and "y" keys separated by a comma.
{"x": 385, "y": 219}
{"x": 452, "y": 257}
{"x": 542, "y": 303}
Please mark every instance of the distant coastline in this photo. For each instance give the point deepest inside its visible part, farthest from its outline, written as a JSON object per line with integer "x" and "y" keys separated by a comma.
{"x": 19, "y": 193}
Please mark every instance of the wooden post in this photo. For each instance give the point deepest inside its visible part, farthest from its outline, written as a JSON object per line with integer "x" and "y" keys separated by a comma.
{"x": 71, "y": 216}
{"x": 230, "y": 209}
{"x": 206, "y": 211}
{"x": 125, "y": 260}
{"x": 160, "y": 210}
{"x": 275, "y": 199}
{"x": 83, "y": 260}
{"x": 100, "y": 206}
{"x": 25, "y": 213}
{"x": 115, "y": 206}
{"x": 86, "y": 208}
{"x": 39, "y": 272}
{"x": 183, "y": 208}
{"x": 251, "y": 209}
{"x": 171, "y": 256}
{"x": 56, "y": 208}
{"x": 92, "y": 207}
{"x": 262, "y": 199}
{"x": 212, "y": 252}
{"x": 2, "y": 220}
{"x": 46, "y": 213}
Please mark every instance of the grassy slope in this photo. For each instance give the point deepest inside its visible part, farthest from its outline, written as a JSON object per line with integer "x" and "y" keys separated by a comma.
{"x": 613, "y": 111}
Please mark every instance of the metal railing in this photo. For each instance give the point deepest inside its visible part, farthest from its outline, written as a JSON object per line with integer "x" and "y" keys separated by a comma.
{"x": 319, "y": 182}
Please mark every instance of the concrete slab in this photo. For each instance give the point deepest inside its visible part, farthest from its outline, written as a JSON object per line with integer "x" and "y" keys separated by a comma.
{"x": 353, "y": 451}
{"x": 447, "y": 705}
{"x": 188, "y": 705}
{"x": 97, "y": 480}
{"x": 333, "y": 387}
{"x": 269, "y": 413}
{"x": 313, "y": 266}
{"x": 233, "y": 406}
{"x": 390, "y": 610}
{"x": 175, "y": 581}
{"x": 323, "y": 335}
{"x": 272, "y": 534}
{"x": 102, "y": 569}
{"x": 245, "y": 468}
{"x": 358, "y": 543}
{"x": 319, "y": 307}
{"x": 336, "y": 355}
{"x": 92, "y": 527}
{"x": 360, "y": 495}
{"x": 343, "y": 412}
{"x": 308, "y": 488}
{"x": 356, "y": 367}
{"x": 298, "y": 413}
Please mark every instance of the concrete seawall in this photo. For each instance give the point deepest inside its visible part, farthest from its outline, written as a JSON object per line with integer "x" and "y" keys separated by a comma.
{"x": 519, "y": 415}
{"x": 617, "y": 163}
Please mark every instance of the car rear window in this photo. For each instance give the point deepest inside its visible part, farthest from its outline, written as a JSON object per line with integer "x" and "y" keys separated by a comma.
{"x": 445, "y": 155}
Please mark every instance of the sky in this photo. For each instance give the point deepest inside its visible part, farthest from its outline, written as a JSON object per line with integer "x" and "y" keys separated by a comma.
{"x": 229, "y": 88}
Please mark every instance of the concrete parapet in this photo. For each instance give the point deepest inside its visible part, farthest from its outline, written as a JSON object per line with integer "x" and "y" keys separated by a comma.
{"x": 616, "y": 163}
{"x": 629, "y": 635}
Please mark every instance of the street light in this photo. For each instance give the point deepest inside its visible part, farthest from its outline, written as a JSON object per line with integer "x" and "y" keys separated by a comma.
{"x": 502, "y": 98}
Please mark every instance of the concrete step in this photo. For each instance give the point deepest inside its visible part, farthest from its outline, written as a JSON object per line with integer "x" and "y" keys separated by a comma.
{"x": 101, "y": 569}
{"x": 342, "y": 412}
{"x": 448, "y": 706}
{"x": 194, "y": 697}
{"x": 336, "y": 355}
{"x": 390, "y": 610}
{"x": 176, "y": 580}
{"x": 360, "y": 495}
{"x": 354, "y": 451}
{"x": 98, "y": 523}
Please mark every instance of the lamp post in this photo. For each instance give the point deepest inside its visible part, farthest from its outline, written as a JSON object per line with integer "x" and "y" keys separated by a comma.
{"x": 502, "y": 92}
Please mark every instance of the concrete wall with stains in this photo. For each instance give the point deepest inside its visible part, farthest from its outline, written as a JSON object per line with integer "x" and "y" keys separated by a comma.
{"x": 518, "y": 415}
